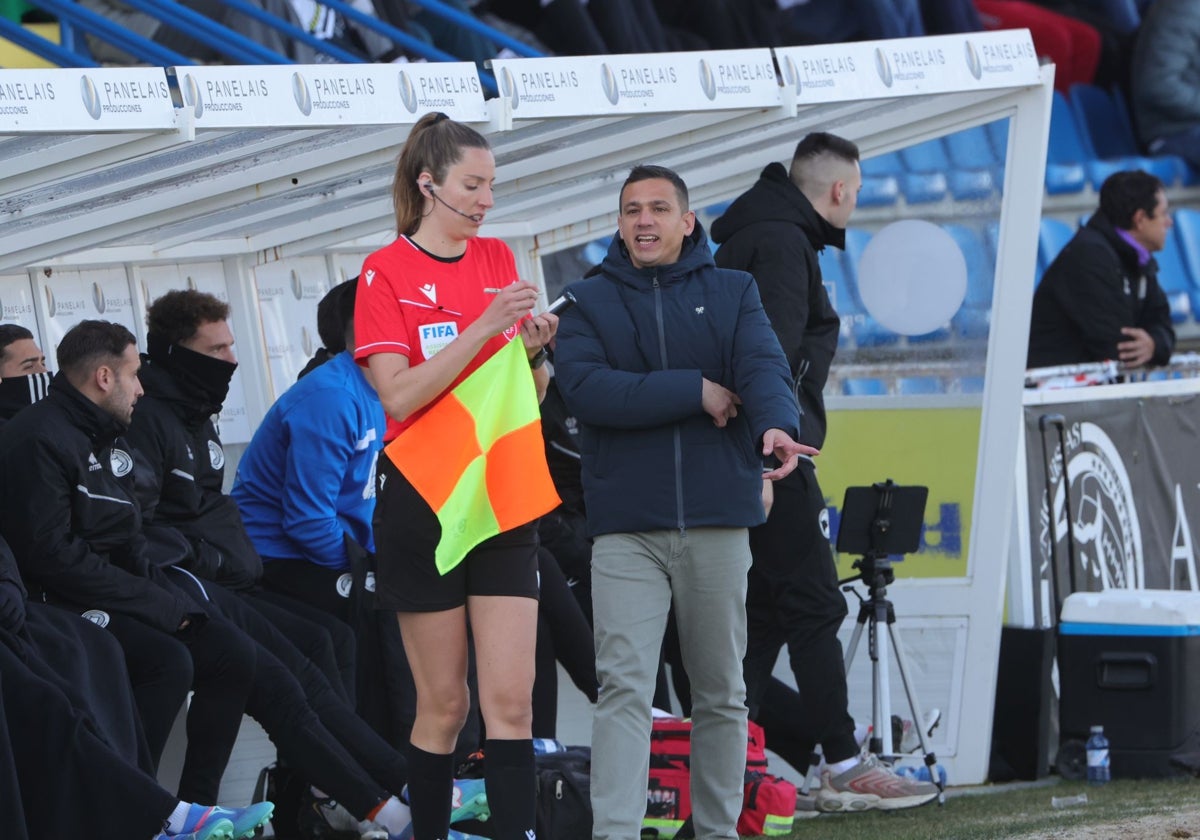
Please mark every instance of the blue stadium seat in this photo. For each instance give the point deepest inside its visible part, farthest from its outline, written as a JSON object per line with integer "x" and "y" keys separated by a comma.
{"x": 881, "y": 181}
{"x": 1066, "y": 154}
{"x": 596, "y": 250}
{"x": 1175, "y": 279}
{"x": 864, "y": 387}
{"x": 917, "y": 187}
{"x": 981, "y": 264}
{"x": 867, "y": 331}
{"x": 929, "y": 160}
{"x": 1187, "y": 234}
{"x": 833, "y": 276}
{"x": 1107, "y": 133}
{"x": 1053, "y": 235}
{"x": 973, "y": 319}
{"x": 971, "y": 148}
{"x": 918, "y": 385}
{"x": 971, "y": 384}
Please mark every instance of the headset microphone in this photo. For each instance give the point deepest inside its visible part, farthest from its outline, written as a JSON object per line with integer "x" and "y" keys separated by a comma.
{"x": 438, "y": 198}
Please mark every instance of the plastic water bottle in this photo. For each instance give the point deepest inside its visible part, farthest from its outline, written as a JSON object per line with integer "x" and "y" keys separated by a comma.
{"x": 1097, "y": 757}
{"x": 920, "y": 773}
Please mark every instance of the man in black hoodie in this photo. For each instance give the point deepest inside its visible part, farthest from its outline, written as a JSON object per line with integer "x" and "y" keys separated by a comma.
{"x": 1100, "y": 298}
{"x": 774, "y": 231}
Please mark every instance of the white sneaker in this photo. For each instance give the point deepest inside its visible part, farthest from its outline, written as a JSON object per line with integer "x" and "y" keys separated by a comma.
{"x": 910, "y": 741}
{"x": 333, "y": 815}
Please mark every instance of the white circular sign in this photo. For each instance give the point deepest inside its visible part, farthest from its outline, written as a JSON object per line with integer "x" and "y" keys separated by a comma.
{"x": 912, "y": 277}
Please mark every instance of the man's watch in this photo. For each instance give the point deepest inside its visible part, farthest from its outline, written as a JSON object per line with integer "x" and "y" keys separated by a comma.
{"x": 539, "y": 358}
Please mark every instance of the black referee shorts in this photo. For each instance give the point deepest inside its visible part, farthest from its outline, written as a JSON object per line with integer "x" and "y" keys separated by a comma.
{"x": 406, "y": 536}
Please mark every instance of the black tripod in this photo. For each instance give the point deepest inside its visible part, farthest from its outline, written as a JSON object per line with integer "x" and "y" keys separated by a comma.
{"x": 879, "y": 521}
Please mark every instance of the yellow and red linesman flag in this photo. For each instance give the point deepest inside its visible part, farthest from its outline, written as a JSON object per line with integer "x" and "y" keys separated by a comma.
{"x": 477, "y": 457}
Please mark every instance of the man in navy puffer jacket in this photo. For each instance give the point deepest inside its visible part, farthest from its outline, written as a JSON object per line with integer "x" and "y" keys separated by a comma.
{"x": 681, "y": 389}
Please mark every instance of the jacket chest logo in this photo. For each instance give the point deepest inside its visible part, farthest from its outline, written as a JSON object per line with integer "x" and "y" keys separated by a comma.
{"x": 93, "y": 464}
{"x": 216, "y": 455}
{"x": 699, "y": 310}
{"x": 120, "y": 462}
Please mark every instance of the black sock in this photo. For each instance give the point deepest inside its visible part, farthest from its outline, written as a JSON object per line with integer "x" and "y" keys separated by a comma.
{"x": 430, "y": 788}
{"x": 511, "y": 792}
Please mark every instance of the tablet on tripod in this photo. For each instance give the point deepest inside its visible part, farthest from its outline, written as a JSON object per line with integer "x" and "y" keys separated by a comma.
{"x": 882, "y": 519}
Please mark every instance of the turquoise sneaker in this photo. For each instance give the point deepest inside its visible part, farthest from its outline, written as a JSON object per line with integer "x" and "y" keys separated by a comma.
{"x": 469, "y": 801}
{"x": 204, "y": 823}
{"x": 246, "y": 820}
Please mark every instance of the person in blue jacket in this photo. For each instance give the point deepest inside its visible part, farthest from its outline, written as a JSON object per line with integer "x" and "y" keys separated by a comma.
{"x": 681, "y": 390}
{"x": 306, "y": 482}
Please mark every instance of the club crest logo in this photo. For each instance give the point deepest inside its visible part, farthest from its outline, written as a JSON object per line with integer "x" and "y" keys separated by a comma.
{"x": 345, "y": 583}
{"x": 51, "y": 307}
{"x": 98, "y": 617}
{"x": 98, "y": 298}
{"x": 120, "y": 463}
{"x": 1104, "y": 517}
{"x": 216, "y": 455}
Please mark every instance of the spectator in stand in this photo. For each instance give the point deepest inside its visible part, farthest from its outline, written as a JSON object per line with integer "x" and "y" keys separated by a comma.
{"x": 721, "y": 24}
{"x": 1073, "y": 46}
{"x": 1100, "y": 298}
{"x": 834, "y": 21}
{"x": 1166, "y": 79}
{"x": 563, "y": 25}
{"x": 320, "y": 21}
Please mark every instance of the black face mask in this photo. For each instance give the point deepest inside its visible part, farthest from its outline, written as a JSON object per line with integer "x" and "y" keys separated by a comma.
{"x": 16, "y": 392}
{"x": 207, "y": 376}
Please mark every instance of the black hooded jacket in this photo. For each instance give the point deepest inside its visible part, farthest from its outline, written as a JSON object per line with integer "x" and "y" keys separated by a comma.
{"x": 773, "y": 232}
{"x": 180, "y": 479}
{"x": 1092, "y": 289}
{"x": 69, "y": 512}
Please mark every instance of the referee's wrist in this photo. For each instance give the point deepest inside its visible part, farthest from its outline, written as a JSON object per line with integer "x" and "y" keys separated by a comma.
{"x": 539, "y": 358}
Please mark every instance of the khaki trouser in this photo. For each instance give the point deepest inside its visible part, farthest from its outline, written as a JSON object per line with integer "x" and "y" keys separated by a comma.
{"x": 634, "y": 578}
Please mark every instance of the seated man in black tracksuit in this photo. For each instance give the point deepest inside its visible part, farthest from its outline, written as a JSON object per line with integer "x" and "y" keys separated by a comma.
{"x": 179, "y": 478}
{"x": 80, "y": 653}
{"x": 181, "y": 472}
{"x": 67, "y": 747}
{"x": 77, "y": 533}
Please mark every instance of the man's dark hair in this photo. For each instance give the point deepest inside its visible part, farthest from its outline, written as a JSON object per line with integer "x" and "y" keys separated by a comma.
{"x": 89, "y": 344}
{"x": 335, "y": 314}
{"x": 819, "y": 160}
{"x": 10, "y": 333}
{"x": 177, "y": 315}
{"x": 647, "y": 172}
{"x": 822, "y": 142}
{"x": 1124, "y": 193}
